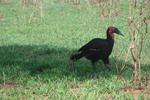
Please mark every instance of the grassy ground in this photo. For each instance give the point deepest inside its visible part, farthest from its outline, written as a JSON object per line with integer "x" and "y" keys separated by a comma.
{"x": 34, "y": 57}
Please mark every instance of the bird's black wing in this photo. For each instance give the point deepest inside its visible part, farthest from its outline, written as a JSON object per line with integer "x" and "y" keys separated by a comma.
{"x": 95, "y": 44}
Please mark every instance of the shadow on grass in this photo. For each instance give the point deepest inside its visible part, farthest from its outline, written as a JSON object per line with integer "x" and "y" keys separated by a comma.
{"x": 50, "y": 62}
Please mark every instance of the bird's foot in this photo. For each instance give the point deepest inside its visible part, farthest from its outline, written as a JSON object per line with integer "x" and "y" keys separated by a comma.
{"x": 108, "y": 66}
{"x": 71, "y": 66}
{"x": 93, "y": 66}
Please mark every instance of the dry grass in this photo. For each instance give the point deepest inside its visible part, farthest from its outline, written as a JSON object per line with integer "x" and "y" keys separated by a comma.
{"x": 97, "y": 2}
{"x": 1, "y": 17}
{"x": 136, "y": 92}
{"x": 36, "y": 9}
{"x": 74, "y": 2}
{"x": 28, "y": 48}
{"x": 5, "y": 1}
{"x": 107, "y": 8}
{"x": 7, "y": 85}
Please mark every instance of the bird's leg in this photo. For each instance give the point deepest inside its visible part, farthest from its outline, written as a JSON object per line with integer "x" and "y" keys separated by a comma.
{"x": 93, "y": 65}
{"x": 106, "y": 62}
{"x": 71, "y": 66}
{"x": 108, "y": 66}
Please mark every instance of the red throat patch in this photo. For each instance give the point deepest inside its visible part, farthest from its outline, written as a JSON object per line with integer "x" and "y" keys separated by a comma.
{"x": 111, "y": 34}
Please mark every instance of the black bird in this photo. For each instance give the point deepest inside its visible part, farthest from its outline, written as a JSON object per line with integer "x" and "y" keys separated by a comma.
{"x": 98, "y": 48}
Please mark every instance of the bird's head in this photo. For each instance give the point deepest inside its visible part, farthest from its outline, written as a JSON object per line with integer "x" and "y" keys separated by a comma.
{"x": 111, "y": 30}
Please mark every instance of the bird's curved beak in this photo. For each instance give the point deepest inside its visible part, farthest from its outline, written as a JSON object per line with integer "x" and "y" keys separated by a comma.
{"x": 120, "y": 33}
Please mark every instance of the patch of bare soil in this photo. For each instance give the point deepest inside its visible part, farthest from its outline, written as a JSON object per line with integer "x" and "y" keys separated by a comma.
{"x": 7, "y": 85}
{"x": 134, "y": 91}
{"x": 75, "y": 88}
{"x": 137, "y": 91}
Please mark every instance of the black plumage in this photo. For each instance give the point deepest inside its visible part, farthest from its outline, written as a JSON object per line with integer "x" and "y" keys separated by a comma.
{"x": 98, "y": 48}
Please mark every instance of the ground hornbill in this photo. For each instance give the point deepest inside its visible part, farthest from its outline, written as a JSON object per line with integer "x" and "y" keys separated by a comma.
{"x": 98, "y": 48}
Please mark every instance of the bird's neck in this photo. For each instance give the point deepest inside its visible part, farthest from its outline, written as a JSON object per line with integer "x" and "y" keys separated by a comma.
{"x": 110, "y": 39}
{"x": 110, "y": 36}
{"x": 110, "y": 42}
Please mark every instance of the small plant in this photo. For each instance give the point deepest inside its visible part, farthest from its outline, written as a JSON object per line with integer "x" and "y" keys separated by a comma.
{"x": 137, "y": 36}
{"x": 107, "y": 8}
{"x": 34, "y": 7}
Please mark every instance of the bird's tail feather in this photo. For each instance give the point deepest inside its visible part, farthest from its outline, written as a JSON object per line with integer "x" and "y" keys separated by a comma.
{"x": 76, "y": 56}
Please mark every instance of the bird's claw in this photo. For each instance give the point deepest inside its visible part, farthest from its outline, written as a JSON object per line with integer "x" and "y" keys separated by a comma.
{"x": 108, "y": 67}
{"x": 71, "y": 66}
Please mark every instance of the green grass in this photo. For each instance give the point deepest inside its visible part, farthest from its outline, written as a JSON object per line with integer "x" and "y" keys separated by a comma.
{"x": 48, "y": 42}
